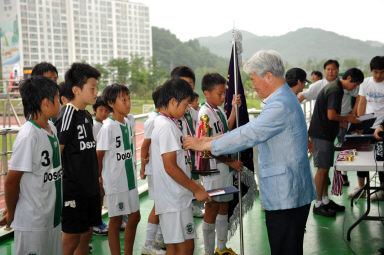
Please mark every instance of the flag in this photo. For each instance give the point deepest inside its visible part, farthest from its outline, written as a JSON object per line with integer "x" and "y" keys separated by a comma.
{"x": 248, "y": 184}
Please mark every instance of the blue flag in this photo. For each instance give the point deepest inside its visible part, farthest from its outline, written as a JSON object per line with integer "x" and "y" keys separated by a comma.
{"x": 248, "y": 184}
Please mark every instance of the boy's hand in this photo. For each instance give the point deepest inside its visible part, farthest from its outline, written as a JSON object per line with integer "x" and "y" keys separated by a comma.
{"x": 311, "y": 148}
{"x": 201, "y": 194}
{"x": 237, "y": 165}
{"x": 4, "y": 217}
{"x": 236, "y": 100}
{"x": 376, "y": 133}
{"x": 101, "y": 180}
{"x": 142, "y": 174}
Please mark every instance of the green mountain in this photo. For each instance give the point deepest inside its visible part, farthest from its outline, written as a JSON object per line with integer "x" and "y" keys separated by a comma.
{"x": 171, "y": 52}
{"x": 298, "y": 46}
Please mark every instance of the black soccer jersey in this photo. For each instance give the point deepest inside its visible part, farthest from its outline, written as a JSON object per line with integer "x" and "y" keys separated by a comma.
{"x": 80, "y": 174}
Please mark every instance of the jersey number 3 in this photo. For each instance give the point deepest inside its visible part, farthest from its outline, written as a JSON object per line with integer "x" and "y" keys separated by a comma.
{"x": 45, "y": 158}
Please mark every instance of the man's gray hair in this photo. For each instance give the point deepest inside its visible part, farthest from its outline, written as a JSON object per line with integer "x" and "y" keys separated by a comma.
{"x": 265, "y": 61}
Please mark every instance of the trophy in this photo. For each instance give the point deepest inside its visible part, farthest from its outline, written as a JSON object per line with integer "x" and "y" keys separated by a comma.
{"x": 205, "y": 163}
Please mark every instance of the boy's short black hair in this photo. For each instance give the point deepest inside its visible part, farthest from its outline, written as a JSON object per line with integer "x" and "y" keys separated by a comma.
{"x": 177, "y": 88}
{"x": 42, "y": 68}
{"x": 318, "y": 74}
{"x": 155, "y": 96}
{"x": 356, "y": 75}
{"x": 210, "y": 80}
{"x": 99, "y": 102}
{"x": 331, "y": 61}
{"x": 182, "y": 71}
{"x": 195, "y": 95}
{"x": 63, "y": 92}
{"x": 111, "y": 92}
{"x": 377, "y": 63}
{"x": 33, "y": 91}
{"x": 78, "y": 75}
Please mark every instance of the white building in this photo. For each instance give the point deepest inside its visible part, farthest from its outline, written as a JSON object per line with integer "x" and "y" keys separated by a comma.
{"x": 66, "y": 31}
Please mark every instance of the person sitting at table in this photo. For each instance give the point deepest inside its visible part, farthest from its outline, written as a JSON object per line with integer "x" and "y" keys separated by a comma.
{"x": 372, "y": 101}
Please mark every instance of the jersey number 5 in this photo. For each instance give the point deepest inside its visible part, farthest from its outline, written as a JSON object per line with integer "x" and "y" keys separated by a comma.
{"x": 118, "y": 141}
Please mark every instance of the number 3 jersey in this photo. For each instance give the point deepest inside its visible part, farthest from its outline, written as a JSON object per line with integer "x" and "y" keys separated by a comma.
{"x": 116, "y": 139}
{"x": 37, "y": 153}
{"x": 80, "y": 174}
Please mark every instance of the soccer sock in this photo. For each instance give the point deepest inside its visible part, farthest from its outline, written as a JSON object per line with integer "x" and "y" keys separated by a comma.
{"x": 222, "y": 231}
{"x": 209, "y": 238}
{"x": 318, "y": 203}
{"x": 325, "y": 200}
{"x": 151, "y": 233}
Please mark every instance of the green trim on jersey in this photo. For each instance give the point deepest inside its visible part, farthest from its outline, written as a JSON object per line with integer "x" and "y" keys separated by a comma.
{"x": 56, "y": 164}
{"x": 126, "y": 132}
{"x": 224, "y": 121}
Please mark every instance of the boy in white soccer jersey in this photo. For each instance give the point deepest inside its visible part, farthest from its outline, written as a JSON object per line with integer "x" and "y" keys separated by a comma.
{"x": 154, "y": 240}
{"x": 101, "y": 111}
{"x": 115, "y": 153}
{"x": 188, "y": 123}
{"x": 216, "y": 212}
{"x": 174, "y": 188}
{"x": 33, "y": 185}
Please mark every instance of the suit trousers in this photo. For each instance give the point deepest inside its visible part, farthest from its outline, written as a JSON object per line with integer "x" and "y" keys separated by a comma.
{"x": 286, "y": 230}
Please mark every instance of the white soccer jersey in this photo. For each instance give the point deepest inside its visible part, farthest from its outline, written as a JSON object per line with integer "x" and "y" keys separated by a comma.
{"x": 188, "y": 122}
{"x": 169, "y": 195}
{"x": 37, "y": 153}
{"x": 119, "y": 170}
{"x": 96, "y": 128}
{"x": 148, "y": 128}
{"x": 219, "y": 124}
{"x": 374, "y": 94}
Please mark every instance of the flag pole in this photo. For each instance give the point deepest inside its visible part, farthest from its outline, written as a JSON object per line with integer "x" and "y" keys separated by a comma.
{"x": 238, "y": 154}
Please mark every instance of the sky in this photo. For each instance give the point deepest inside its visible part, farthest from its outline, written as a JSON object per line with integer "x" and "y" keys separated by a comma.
{"x": 189, "y": 19}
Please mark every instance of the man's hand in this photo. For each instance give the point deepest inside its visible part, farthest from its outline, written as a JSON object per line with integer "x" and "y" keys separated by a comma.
{"x": 352, "y": 119}
{"x": 376, "y": 133}
{"x": 237, "y": 165}
{"x": 4, "y": 217}
{"x": 197, "y": 144}
{"x": 311, "y": 148}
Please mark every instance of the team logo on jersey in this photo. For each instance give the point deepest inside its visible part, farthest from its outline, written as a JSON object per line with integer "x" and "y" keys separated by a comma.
{"x": 87, "y": 145}
{"x": 86, "y": 120}
{"x": 120, "y": 206}
{"x": 71, "y": 203}
{"x": 55, "y": 144}
{"x": 123, "y": 156}
{"x": 53, "y": 175}
{"x": 190, "y": 228}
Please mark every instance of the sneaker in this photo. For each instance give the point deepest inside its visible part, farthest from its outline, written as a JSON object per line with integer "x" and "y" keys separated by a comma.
{"x": 90, "y": 247}
{"x": 101, "y": 230}
{"x": 355, "y": 191}
{"x": 152, "y": 250}
{"x": 335, "y": 207}
{"x": 227, "y": 251}
{"x": 197, "y": 212}
{"x": 159, "y": 242}
{"x": 378, "y": 196}
{"x": 345, "y": 180}
{"x": 323, "y": 211}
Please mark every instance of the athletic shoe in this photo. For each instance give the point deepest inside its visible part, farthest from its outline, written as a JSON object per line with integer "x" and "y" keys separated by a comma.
{"x": 335, "y": 207}
{"x": 323, "y": 211}
{"x": 197, "y": 212}
{"x": 355, "y": 191}
{"x": 101, "y": 230}
{"x": 152, "y": 250}
{"x": 345, "y": 180}
{"x": 227, "y": 251}
{"x": 378, "y": 196}
{"x": 90, "y": 247}
{"x": 159, "y": 242}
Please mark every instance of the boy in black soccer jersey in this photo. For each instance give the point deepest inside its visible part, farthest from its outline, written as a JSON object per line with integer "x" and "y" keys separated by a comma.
{"x": 81, "y": 194}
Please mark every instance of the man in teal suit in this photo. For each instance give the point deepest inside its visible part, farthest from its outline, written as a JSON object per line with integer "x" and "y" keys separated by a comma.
{"x": 280, "y": 132}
